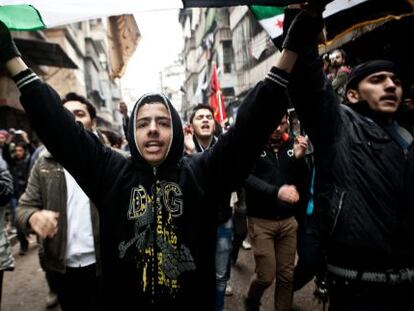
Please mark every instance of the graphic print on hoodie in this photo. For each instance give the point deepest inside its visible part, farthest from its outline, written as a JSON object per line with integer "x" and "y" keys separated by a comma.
{"x": 123, "y": 189}
{"x": 154, "y": 208}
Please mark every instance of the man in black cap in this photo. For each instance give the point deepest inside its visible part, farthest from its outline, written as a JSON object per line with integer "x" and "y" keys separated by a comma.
{"x": 364, "y": 186}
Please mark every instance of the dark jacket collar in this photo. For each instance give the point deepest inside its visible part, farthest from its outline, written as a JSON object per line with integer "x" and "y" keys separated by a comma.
{"x": 199, "y": 147}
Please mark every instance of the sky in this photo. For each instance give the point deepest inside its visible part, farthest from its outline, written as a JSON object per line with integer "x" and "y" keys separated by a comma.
{"x": 161, "y": 43}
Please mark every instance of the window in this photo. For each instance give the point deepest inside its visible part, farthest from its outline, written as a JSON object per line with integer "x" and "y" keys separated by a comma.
{"x": 227, "y": 56}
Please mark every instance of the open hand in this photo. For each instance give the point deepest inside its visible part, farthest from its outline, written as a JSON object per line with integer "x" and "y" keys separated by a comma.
{"x": 189, "y": 146}
{"x": 300, "y": 146}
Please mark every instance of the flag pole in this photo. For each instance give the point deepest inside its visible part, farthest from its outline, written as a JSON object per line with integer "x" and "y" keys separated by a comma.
{"x": 220, "y": 107}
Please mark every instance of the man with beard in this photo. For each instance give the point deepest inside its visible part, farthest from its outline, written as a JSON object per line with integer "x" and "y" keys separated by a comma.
{"x": 339, "y": 72}
{"x": 56, "y": 208}
{"x": 274, "y": 190}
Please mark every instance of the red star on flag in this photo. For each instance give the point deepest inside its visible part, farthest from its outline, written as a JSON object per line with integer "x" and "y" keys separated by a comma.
{"x": 279, "y": 23}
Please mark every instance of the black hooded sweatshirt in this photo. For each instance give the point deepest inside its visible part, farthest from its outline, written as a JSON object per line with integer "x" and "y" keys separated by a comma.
{"x": 158, "y": 224}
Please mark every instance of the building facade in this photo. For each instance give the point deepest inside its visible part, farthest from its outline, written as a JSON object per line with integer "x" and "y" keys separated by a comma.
{"x": 87, "y": 57}
{"x": 233, "y": 40}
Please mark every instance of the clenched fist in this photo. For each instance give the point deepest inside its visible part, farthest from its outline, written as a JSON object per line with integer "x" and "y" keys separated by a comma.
{"x": 44, "y": 223}
{"x": 288, "y": 194}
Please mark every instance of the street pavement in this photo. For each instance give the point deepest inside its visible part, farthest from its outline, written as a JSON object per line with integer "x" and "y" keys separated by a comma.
{"x": 241, "y": 274}
{"x": 25, "y": 289}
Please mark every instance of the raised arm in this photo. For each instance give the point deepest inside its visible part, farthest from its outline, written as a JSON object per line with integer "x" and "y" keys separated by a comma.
{"x": 77, "y": 149}
{"x": 309, "y": 89}
{"x": 228, "y": 163}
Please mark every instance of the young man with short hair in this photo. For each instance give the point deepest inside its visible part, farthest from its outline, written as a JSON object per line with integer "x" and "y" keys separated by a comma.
{"x": 203, "y": 126}
{"x": 364, "y": 182}
{"x": 158, "y": 210}
{"x": 201, "y": 139}
{"x": 67, "y": 223}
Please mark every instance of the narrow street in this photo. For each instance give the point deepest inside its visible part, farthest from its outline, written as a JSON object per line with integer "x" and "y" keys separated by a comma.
{"x": 24, "y": 289}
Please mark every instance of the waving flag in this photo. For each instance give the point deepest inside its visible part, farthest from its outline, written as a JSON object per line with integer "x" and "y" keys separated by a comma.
{"x": 270, "y": 18}
{"x": 39, "y": 14}
{"x": 341, "y": 16}
{"x": 217, "y": 98}
{"x": 221, "y": 3}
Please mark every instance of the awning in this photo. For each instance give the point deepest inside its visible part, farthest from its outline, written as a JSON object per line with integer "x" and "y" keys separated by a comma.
{"x": 44, "y": 53}
{"x": 123, "y": 39}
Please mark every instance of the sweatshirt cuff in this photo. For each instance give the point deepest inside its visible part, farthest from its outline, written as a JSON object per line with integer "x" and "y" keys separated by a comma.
{"x": 24, "y": 78}
{"x": 278, "y": 76}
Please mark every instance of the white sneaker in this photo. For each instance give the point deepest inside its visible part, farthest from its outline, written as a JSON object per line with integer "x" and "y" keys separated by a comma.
{"x": 246, "y": 245}
{"x": 51, "y": 300}
{"x": 229, "y": 290}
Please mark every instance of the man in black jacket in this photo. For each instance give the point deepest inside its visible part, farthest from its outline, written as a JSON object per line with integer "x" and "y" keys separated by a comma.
{"x": 364, "y": 163}
{"x": 278, "y": 184}
{"x": 158, "y": 225}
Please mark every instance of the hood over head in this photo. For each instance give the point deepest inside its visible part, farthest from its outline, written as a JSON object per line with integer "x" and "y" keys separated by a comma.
{"x": 176, "y": 148}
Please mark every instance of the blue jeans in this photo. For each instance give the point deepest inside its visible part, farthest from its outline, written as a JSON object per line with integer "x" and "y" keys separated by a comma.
{"x": 223, "y": 251}
{"x": 21, "y": 235}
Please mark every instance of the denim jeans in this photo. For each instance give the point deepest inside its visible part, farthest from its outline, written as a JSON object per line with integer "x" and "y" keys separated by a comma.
{"x": 21, "y": 235}
{"x": 223, "y": 251}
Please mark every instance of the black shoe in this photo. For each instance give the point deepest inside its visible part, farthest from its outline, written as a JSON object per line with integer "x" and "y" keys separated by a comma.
{"x": 22, "y": 252}
{"x": 251, "y": 305}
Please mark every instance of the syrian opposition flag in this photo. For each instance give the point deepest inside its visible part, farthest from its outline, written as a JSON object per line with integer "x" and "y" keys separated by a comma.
{"x": 223, "y": 3}
{"x": 340, "y": 16}
{"x": 270, "y": 18}
{"x": 40, "y": 14}
{"x": 343, "y": 16}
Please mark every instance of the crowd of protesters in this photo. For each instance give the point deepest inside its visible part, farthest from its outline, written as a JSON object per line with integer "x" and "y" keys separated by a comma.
{"x": 150, "y": 222}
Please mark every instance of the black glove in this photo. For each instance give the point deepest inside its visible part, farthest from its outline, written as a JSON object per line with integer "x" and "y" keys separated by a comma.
{"x": 290, "y": 14}
{"x": 304, "y": 31}
{"x": 8, "y": 48}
